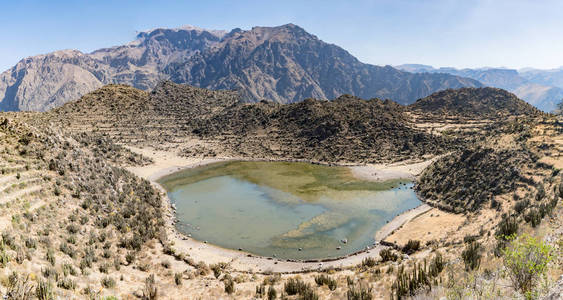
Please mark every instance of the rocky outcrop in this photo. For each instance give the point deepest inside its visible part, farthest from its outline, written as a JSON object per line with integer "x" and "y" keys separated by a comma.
{"x": 282, "y": 64}
{"x": 474, "y": 103}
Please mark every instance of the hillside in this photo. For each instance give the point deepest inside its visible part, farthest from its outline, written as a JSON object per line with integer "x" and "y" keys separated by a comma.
{"x": 81, "y": 226}
{"x": 345, "y": 129}
{"x": 474, "y": 103}
{"x": 283, "y": 64}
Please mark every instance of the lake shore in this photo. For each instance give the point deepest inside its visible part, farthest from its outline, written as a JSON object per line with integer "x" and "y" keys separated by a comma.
{"x": 165, "y": 163}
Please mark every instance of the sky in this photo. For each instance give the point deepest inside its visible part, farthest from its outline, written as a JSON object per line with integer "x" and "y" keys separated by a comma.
{"x": 465, "y": 33}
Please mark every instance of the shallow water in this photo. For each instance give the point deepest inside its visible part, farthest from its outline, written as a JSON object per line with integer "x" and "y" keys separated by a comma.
{"x": 275, "y": 208}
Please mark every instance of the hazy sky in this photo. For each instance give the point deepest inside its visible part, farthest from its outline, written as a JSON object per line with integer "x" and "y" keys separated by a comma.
{"x": 463, "y": 33}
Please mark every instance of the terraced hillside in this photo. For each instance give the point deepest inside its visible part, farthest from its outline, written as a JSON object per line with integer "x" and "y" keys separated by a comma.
{"x": 133, "y": 116}
{"x": 347, "y": 129}
{"x": 344, "y": 129}
{"x": 69, "y": 217}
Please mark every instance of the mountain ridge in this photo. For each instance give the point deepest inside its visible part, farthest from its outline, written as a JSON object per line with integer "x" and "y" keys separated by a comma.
{"x": 282, "y": 64}
{"x": 541, "y": 93}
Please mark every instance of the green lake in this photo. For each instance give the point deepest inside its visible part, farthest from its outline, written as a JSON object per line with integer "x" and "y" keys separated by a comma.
{"x": 290, "y": 210}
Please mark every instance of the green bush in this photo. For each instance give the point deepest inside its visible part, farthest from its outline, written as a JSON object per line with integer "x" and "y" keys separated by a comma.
{"x": 526, "y": 260}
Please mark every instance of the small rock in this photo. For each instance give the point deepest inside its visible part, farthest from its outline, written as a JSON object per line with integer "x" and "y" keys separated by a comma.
{"x": 300, "y": 249}
{"x": 338, "y": 248}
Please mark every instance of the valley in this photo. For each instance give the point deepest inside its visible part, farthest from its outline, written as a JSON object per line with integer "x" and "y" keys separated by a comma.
{"x": 83, "y": 211}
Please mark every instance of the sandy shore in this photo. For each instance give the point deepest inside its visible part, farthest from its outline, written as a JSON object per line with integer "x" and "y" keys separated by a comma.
{"x": 165, "y": 163}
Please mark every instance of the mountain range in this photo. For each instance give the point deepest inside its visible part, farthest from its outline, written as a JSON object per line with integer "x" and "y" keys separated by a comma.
{"x": 541, "y": 88}
{"x": 282, "y": 64}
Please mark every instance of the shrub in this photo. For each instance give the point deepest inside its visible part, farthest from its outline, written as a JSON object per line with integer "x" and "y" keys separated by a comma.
{"x": 68, "y": 269}
{"x": 67, "y": 249}
{"x": 388, "y": 255}
{"x": 44, "y": 291}
{"x": 507, "y": 227}
{"x": 178, "y": 278}
{"x": 294, "y": 286}
{"x": 472, "y": 256}
{"x": 369, "y": 262}
{"x": 533, "y": 217}
{"x": 229, "y": 285}
{"x": 409, "y": 284}
{"x": 272, "y": 294}
{"x": 218, "y": 269}
{"x": 19, "y": 287}
{"x": 67, "y": 284}
{"x": 359, "y": 292}
{"x": 436, "y": 265}
{"x": 326, "y": 280}
{"x": 4, "y": 258}
{"x": 521, "y": 205}
{"x": 30, "y": 243}
{"x": 150, "y": 292}
{"x": 411, "y": 247}
{"x": 130, "y": 257}
{"x": 526, "y": 260}
{"x": 108, "y": 282}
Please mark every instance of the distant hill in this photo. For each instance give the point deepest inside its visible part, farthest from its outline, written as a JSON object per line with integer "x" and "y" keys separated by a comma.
{"x": 282, "y": 64}
{"x": 345, "y": 129}
{"x": 528, "y": 85}
{"x": 474, "y": 103}
{"x": 553, "y": 77}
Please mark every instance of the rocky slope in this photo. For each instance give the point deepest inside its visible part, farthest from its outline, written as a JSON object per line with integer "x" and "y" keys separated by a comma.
{"x": 283, "y": 64}
{"x": 46, "y": 81}
{"x": 474, "y": 103}
{"x": 347, "y": 129}
{"x": 543, "y": 94}
{"x": 286, "y": 64}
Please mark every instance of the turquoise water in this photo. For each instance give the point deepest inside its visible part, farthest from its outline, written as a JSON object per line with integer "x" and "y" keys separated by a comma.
{"x": 277, "y": 208}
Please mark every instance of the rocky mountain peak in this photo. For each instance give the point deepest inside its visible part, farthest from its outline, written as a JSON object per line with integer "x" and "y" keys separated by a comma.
{"x": 282, "y": 64}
